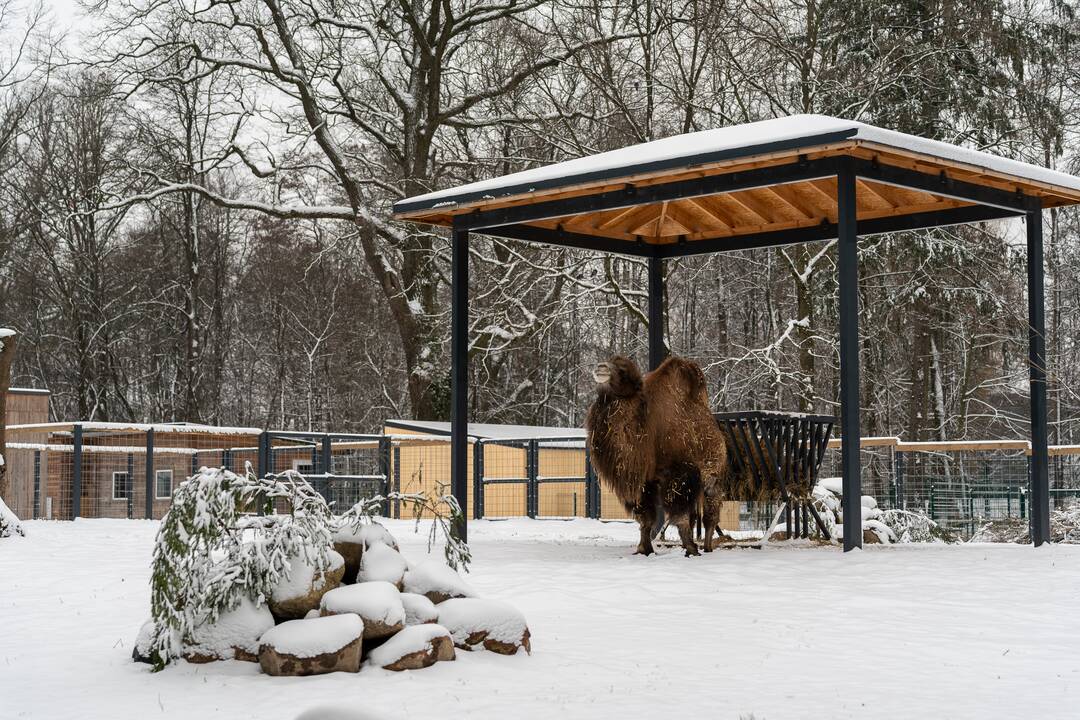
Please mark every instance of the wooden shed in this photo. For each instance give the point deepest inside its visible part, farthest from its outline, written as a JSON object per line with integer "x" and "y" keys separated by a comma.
{"x": 23, "y": 406}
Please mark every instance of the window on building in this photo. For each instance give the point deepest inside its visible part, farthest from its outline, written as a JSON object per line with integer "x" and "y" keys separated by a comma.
{"x": 120, "y": 487}
{"x": 163, "y": 484}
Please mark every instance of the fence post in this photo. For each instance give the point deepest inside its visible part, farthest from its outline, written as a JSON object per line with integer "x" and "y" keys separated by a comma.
{"x": 260, "y": 456}
{"x": 384, "y": 470}
{"x": 397, "y": 480}
{"x": 327, "y": 456}
{"x": 531, "y": 490}
{"x": 1058, "y": 479}
{"x": 590, "y": 481}
{"x": 76, "y": 472}
{"x": 129, "y": 485}
{"x": 194, "y": 464}
{"x": 478, "y": 480}
{"x": 933, "y": 513}
{"x": 37, "y": 484}
{"x": 263, "y": 465}
{"x": 151, "y": 491}
{"x": 898, "y": 479}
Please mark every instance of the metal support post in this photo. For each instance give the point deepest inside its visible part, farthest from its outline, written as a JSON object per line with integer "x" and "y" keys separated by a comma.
{"x": 848, "y": 271}
{"x": 459, "y": 376}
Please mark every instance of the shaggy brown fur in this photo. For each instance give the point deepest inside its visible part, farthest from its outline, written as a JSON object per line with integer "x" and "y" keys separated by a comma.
{"x": 656, "y": 438}
{"x": 619, "y": 444}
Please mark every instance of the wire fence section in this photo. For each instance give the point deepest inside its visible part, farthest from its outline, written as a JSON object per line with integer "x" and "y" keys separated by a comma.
{"x": 960, "y": 485}
{"x": 100, "y": 470}
{"x": 534, "y": 477}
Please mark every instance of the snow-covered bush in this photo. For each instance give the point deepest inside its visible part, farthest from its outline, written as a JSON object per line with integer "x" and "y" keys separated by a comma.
{"x": 915, "y": 527}
{"x": 888, "y": 526}
{"x": 212, "y": 552}
{"x": 9, "y": 522}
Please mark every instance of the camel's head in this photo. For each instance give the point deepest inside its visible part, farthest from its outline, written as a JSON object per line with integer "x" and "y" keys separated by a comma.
{"x": 619, "y": 376}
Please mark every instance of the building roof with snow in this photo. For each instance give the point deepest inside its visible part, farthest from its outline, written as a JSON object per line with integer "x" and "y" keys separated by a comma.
{"x": 795, "y": 133}
{"x": 488, "y": 431}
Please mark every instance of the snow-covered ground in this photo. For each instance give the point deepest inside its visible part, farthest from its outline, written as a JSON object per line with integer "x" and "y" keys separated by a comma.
{"x": 975, "y": 631}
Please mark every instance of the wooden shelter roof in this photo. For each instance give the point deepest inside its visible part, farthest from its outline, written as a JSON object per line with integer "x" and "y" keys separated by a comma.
{"x": 773, "y": 181}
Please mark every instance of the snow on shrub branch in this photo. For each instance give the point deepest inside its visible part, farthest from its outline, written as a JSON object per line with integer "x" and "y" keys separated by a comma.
{"x": 444, "y": 510}
{"x": 9, "y": 522}
{"x": 211, "y": 550}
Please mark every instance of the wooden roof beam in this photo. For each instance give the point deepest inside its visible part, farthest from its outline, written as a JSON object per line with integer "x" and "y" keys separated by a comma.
{"x": 787, "y": 195}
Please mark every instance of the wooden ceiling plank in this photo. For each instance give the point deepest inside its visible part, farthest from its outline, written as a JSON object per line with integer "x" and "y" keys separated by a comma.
{"x": 670, "y": 226}
{"x": 715, "y": 207}
{"x": 741, "y": 215}
{"x": 693, "y": 216}
{"x": 788, "y": 196}
{"x": 870, "y": 190}
{"x": 826, "y": 187}
{"x": 716, "y": 215}
{"x": 641, "y": 215}
{"x": 618, "y": 217}
{"x": 751, "y": 207}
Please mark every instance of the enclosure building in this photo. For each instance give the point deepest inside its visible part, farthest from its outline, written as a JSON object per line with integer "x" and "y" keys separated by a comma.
{"x": 63, "y": 470}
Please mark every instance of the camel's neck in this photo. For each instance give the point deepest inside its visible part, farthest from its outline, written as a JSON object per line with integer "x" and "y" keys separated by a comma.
{"x": 611, "y": 412}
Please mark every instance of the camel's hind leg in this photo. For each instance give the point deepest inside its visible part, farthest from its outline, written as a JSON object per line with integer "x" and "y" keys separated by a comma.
{"x": 711, "y": 520}
{"x": 686, "y": 535}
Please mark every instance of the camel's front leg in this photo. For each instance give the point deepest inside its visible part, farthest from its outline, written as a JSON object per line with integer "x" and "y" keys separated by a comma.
{"x": 645, "y": 513}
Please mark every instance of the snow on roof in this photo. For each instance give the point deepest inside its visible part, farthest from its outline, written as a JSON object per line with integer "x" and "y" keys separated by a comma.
{"x": 707, "y": 146}
{"x": 137, "y": 427}
{"x": 489, "y": 431}
{"x": 28, "y": 391}
{"x": 113, "y": 449}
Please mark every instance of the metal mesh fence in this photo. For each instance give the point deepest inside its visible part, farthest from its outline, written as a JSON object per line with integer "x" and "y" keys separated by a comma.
{"x": 960, "y": 485}
{"x": 86, "y": 470}
{"x": 534, "y": 477}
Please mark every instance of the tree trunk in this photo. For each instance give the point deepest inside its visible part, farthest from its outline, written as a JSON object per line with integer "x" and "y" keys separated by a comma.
{"x": 7, "y": 354}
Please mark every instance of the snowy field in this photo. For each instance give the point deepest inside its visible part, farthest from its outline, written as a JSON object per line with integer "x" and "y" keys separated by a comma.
{"x": 974, "y": 631}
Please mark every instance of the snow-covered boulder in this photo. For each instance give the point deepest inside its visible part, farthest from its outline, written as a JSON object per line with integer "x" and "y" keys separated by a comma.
{"x": 351, "y": 540}
{"x": 378, "y": 603}
{"x": 235, "y": 635}
{"x": 418, "y": 609}
{"x": 304, "y": 588}
{"x": 833, "y": 485}
{"x": 9, "y": 521}
{"x": 875, "y": 532}
{"x": 415, "y": 647}
{"x": 829, "y": 492}
{"x": 312, "y": 647}
{"x": 142, "y": 652}
{"x": 491, "y": 624}
{"x": 437, "y": 581}
{"x": 382, "y": 562}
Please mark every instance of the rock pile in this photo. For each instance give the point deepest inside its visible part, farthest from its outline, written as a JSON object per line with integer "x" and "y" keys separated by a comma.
{"x": 371, "y": 608}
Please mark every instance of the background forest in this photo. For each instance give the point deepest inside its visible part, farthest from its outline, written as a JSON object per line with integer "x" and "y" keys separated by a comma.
{"x": 195, "y": 198}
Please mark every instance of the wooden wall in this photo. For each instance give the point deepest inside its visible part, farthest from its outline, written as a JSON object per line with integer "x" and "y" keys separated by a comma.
{"x": 426, "y": 465}
{"x": 22, "y": 407}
